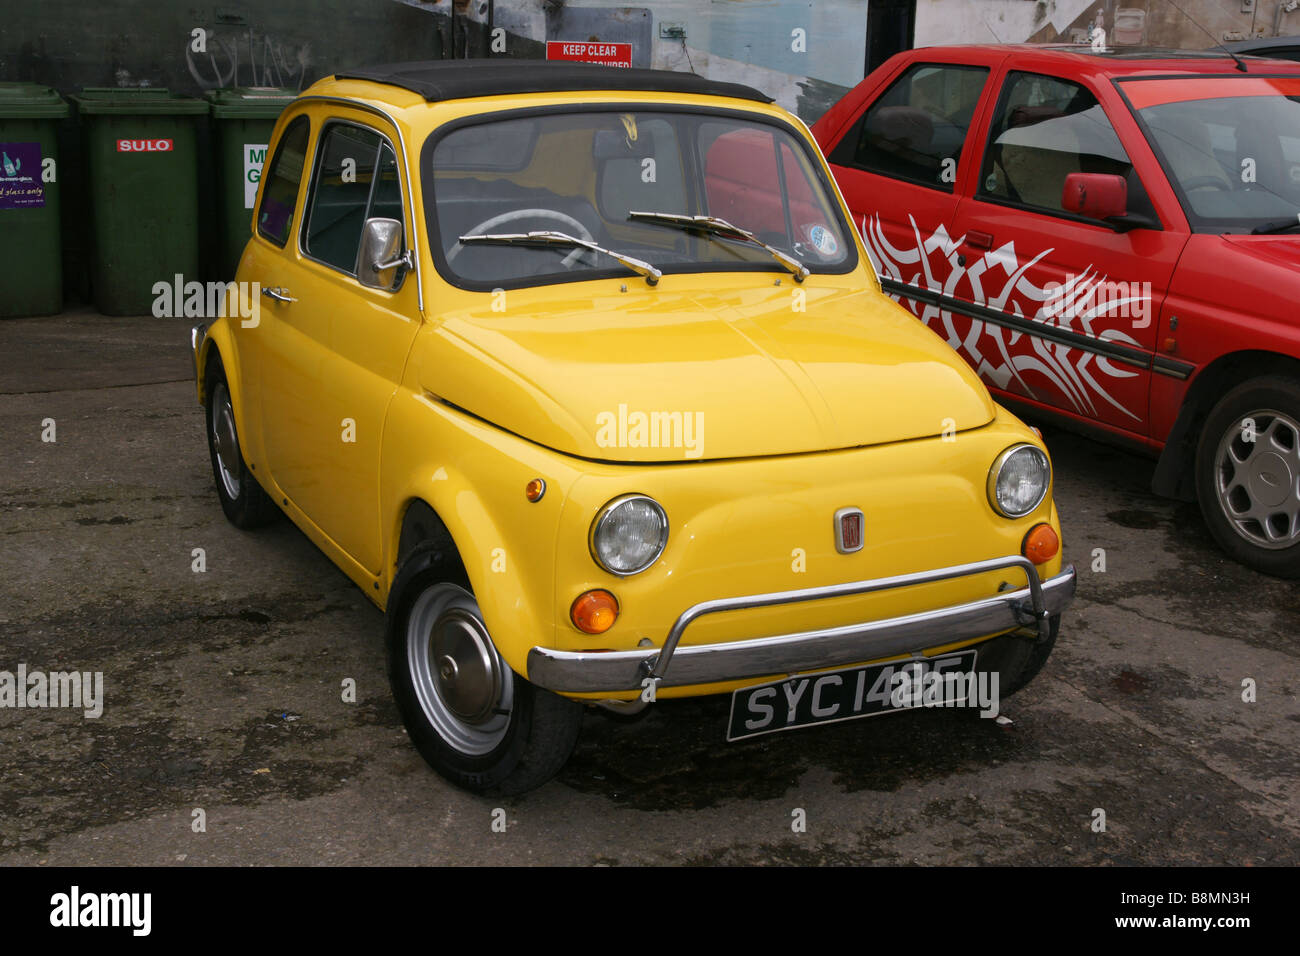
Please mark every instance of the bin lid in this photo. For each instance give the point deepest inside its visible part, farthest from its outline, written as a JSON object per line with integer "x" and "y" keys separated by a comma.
{"x": 143, "y": 101}
{"x": 30, "y": 101}
{"x": 250, "y": 102}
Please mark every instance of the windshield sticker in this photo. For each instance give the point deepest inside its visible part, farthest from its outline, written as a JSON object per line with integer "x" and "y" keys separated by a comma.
{"x": 823, "y": 240}
{"x": 20, "y": 176}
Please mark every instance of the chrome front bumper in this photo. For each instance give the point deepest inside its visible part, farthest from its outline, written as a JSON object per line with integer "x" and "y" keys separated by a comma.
{"x": 1031, "y": 606}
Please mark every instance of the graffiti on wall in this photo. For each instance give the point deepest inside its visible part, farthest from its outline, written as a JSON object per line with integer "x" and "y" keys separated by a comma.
{"x": 245, "y": 57}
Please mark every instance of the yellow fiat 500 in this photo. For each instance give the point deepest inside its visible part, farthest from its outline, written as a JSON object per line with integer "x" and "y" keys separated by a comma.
{"x": 583, "y": 376}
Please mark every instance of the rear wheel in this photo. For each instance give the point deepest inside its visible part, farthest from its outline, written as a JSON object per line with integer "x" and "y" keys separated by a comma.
{"x": 473, "y": 719}
{"x": 1248, "y": 474}
{"x": 242, "y": 499}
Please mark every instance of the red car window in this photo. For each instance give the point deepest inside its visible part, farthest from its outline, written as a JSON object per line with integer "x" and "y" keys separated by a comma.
{"x": 1044, "y": 129}
{"x": 917, "y": 128}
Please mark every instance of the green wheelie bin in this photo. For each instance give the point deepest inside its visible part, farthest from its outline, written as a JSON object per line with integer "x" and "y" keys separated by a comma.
{"x": 141, "y": 155}
{"x": 243, "y": 118}
{"x": 31, "y": 281}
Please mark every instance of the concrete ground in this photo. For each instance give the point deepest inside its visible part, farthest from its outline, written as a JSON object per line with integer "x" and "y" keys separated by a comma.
{"x": 223, "y": 688}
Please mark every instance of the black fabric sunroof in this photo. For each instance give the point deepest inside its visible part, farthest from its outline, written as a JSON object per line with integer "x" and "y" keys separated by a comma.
{"x": 461, "y": 79}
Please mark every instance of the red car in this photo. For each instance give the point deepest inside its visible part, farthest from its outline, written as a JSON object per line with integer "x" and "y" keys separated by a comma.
{"x": 1112, "y": 240}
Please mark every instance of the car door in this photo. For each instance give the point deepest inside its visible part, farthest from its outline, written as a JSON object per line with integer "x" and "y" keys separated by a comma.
{"x": 1051, "y": 307}
{"x": 898, "y": 164}
{"x": 333, "y": 350}
{"x": 276, "y": 218}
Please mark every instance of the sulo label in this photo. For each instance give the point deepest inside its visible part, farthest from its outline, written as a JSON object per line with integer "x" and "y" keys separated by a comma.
{"x": 145, "y": 145}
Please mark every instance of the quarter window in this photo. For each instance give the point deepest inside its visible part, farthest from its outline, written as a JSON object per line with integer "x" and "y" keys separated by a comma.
{"x": 916, "y": 130}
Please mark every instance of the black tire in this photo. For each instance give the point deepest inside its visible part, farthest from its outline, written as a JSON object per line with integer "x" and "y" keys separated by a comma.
{"x": 246, "y": 505}
{"x": 1271, "y": 468}
{"x": 519, "y": 735}
{"x": 1018, "y": 659}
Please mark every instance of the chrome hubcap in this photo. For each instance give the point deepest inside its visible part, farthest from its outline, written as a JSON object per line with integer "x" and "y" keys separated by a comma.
{"x": 464, "y": 688}
{"x": 1257, "y": 478}
{"x": 225, "y": 441}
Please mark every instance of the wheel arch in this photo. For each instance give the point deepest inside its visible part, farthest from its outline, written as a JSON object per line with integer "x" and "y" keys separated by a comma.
{"x": 216, "y": 343}
{"x": 1174, "y": 477}
{"x": 512, "y": 599}
{"x": 419, "y": 524}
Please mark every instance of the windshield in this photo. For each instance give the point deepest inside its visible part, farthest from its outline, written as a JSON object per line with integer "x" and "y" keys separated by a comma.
{"x": 1231, "y": 146}
{"x": 585, "y": 173}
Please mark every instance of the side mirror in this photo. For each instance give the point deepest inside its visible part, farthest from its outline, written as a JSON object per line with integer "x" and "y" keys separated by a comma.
{"x": 377, "y": 259}
{"x": 1095, "y": 195}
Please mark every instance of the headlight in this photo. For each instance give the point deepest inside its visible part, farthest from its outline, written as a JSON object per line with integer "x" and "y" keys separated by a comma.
{"x": 628, "y": 534}
{"x": 1018, "y": 480}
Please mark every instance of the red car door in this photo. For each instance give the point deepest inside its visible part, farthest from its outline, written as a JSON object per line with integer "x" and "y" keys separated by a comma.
{"x": 1051, "y": 307}
{"x": 898, "y": 160}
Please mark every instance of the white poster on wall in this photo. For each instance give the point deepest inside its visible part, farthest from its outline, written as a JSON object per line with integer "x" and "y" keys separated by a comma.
{"x": 254, "y": 157}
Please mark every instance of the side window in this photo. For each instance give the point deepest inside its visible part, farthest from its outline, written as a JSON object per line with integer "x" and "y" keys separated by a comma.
{"x": 916, "y": 130}
{"x": 1043, "y": 130}
{"x": 341, "y": 195}
{"x": 280, "y": 194}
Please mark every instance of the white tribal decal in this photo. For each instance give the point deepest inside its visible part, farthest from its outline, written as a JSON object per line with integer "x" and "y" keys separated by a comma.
{"x": 1071, "y": 307}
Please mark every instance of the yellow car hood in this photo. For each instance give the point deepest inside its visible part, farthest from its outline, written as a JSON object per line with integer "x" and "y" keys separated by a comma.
{"x": 655, "y": 375}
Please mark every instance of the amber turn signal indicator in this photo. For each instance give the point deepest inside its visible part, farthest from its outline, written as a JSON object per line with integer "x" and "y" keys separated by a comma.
{"x": 534, "y": 490}
{"x": 594, "y": 612}
{"x": 1041, "y": 544}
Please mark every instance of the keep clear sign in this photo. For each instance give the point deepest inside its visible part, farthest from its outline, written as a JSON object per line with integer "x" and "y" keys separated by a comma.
{"x": 254, "y": 157}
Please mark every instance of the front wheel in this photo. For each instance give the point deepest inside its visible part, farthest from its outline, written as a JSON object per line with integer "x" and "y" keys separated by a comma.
{"x": 474, "y": 720}
{"x": 1018, "y": 659}
{"x": 1248, "y": 474}
{"x": 242, "y": 499}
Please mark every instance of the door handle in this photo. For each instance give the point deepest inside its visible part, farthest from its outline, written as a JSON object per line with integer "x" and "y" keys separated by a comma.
{"x": 278, "y": 294}
{"x": 979, "y": 240}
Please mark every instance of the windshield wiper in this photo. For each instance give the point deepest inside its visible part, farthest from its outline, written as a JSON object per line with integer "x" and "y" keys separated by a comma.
{"x": 545, "y": 238}
{"x": 1273, "y": 228}
{"x": 713, "y": 226}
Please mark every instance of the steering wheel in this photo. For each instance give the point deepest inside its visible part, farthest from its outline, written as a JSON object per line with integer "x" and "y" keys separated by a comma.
{"x": 1206, "y": 182}
{"x": 488, "y": 225}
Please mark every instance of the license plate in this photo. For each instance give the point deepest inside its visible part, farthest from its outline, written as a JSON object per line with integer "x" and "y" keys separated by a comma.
{"x": 832, "y": 696}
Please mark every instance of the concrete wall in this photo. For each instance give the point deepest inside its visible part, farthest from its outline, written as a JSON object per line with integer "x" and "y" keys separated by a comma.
{"x": 68, "y": 44}
{"x": 805, "y": 53}
{"x": 1146, "y": 22}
